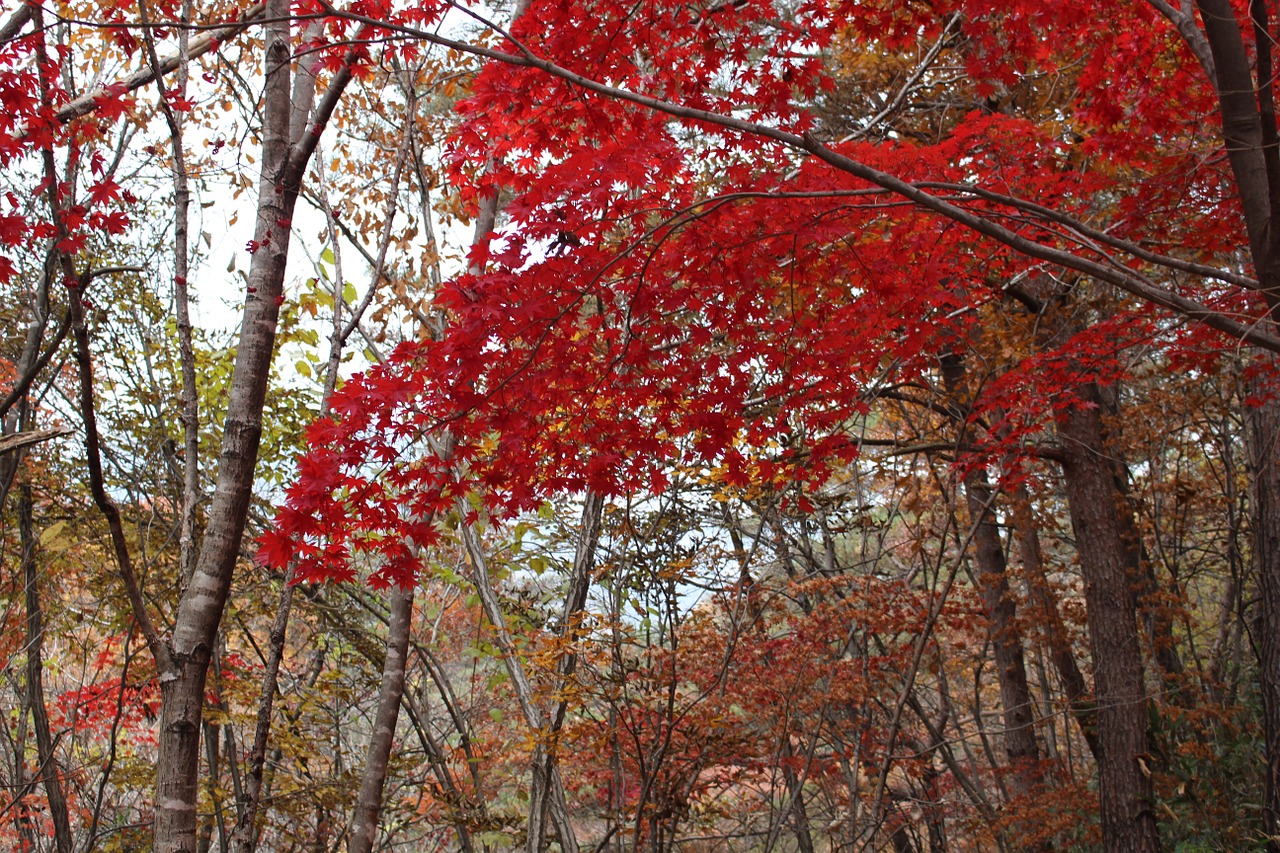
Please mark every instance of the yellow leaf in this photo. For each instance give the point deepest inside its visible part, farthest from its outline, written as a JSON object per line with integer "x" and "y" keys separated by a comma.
{"x": 52, "y": 535}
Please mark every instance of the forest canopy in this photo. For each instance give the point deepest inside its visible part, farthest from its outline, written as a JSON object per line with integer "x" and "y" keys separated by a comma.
{"x": 586, "y": 425}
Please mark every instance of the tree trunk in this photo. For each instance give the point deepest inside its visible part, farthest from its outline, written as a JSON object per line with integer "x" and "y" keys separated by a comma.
{"x": 546, "y": 791}
{"x": 199, "y": 615}
{"x": 200, "y": 612}
{"x": 1249, "y": 132}
{"x": 364, "y": 825}
{"x": 1263, "y": 426}
{"x": 795, "y": 791}
{"x": 48, "y": 763}
{"x": 1079, "y": 699}
{"x": 1125, "y": 790}
{"x": 1021, "y": 749}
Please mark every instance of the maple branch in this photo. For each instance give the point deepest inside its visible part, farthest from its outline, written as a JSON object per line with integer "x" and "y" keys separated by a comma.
{"x": 1132, "y": 283}
{"x": 1126, "y": 280}
{"x": 901, "y": 448}
{"x": 1070, "y": 222}
{"x": 198, "y": 47}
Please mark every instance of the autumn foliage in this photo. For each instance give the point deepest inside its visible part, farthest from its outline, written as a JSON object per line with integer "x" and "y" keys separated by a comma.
{"x": 850, "y": 426}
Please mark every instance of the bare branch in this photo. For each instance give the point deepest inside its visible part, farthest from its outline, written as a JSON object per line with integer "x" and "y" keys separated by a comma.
{"x": 18, "y": 441}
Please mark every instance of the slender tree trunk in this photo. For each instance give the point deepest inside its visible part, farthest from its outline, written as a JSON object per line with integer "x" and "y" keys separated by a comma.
{"x": 934, "y": 809}
{"x": 546, "y": 792}
{"x": 212, "y": 738}
{"x": 1079, "y": 698}
{"x": 245, "y": 830}
{"x": 364, "y": 824}
{"x": 1228, "y": 608}
{"x": 182, "y": 302}
{"x": 243, "y": 837}
{"x": 468, "y": 808}
{"x": 200, "y": 612}
{"x": 48, "y": 763}
{"x": 1021, "y": 749}
{"x": 795, "y": 790}
{"x": 1125, "y": 789}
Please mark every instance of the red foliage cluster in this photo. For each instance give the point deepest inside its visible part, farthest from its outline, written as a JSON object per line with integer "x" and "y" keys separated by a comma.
{"x": 31, "y": 95}
{"x": 671, "y": 292}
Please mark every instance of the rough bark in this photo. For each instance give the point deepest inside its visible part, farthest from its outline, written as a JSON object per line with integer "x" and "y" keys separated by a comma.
{"x": 1125, "y": 789}
{"x": 1263, "y": 430}
{"x": 1155, "y": 614}
{"x": 1243, "y": 133}
{"x": 1249, "y": 132}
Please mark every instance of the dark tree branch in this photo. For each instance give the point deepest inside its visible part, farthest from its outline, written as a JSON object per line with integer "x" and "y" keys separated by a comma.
{"x": 97, "y": 487}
